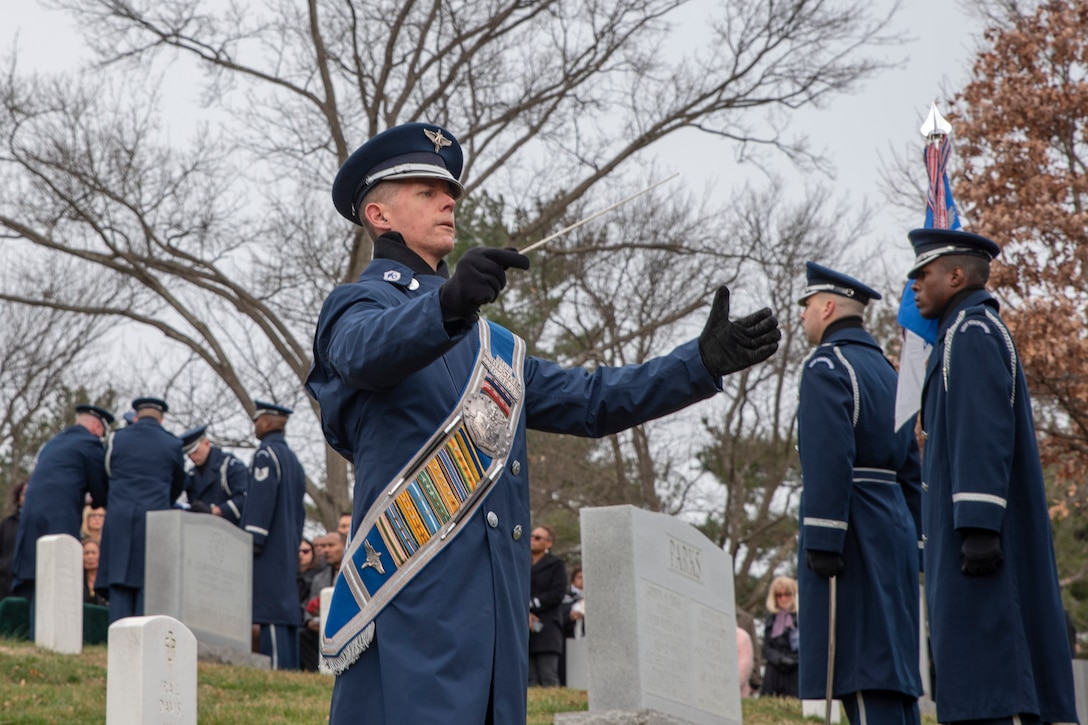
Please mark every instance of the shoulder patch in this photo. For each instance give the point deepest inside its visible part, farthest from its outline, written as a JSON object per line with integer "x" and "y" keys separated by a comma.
{"x": 968, "y": 324}
{"x": 821, "y": 359}
{"x": 260, "y": 474}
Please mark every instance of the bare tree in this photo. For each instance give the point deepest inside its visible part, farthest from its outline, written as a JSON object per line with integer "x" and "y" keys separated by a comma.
{"x": 226, "y": 245}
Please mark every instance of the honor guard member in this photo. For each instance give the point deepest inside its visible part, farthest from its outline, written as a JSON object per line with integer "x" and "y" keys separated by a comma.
{"x": 431, "y": 404}
{"x": 996, "y": 624}
{"x": 147, "y": 473}
{"x": 274, "y": 516}
{"x": 69, "y": 467}
{"x": 860, "y": 512}
{"x": 218, "y": 482}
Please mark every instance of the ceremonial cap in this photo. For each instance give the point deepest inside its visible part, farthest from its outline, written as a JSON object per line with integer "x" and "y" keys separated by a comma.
{"x": 192, "y": 437}
{"x": 823, "y": 279}
{"x": 408, "y": 151}
{"x": 264, "y": 408}
{"x": 932, "y": 243}
{"x": 157, "y": 403}
{"x": 101, "y": 413}
{"x": 129, "y": 416}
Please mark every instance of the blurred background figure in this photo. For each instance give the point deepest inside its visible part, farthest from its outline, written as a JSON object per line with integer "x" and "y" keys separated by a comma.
{"x": 574, "y": 607}
{"x": 9, "y": 527}
{"x": 748, "y": 623}
{"x": 344, "y": 527}
{"x": 94, "y": 517}
{"x": 746, "y": 655}
{"x": 780, "y": 639}
{"x": 90, "y": 572}
{"x": 308, "y": 567}
{"x": 547, "y": 587}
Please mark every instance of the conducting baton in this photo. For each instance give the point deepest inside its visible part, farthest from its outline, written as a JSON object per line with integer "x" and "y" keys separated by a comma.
{"x": 591, "y": 217}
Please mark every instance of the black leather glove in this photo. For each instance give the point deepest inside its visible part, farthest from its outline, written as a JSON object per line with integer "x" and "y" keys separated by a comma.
{"x": 199, "y": 507}
{"x": 980, "y": 552}
{"x": 823, "y": 563}
{"x": 257, "y": 549}
{"x": 728, "y": 346}
{"x": 477, "y": 280}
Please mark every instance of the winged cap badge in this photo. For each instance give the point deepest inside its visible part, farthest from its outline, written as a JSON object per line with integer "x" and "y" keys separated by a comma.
{"x": 436, "y": 137}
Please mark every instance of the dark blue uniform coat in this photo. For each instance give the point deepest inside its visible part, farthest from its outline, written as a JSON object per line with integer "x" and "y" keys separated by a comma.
{"x": 845, "y": 424}
{"x": 274, "y": 515}
{"x": 999, "y": 641}
{"x": 386, "y": 374}
{"x": 222, "y": 481}
{"x": 69, "y": 466}
{"x": 147, "y": 473}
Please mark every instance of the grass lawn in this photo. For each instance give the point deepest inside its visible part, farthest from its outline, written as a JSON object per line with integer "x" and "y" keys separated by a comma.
{"x": 42, "y": 688}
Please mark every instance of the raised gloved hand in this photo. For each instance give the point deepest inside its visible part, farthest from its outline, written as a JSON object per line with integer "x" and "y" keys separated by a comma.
{"x": 728, "y": 346}
{"x": 477, "y": 280}
{"x": 980, "y": 552}
{"x": 824, "y": 563}
{"x": 199, "y": 507}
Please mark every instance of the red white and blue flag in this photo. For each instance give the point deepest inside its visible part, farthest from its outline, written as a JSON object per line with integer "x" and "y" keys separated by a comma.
{"x": 919, "y": 334}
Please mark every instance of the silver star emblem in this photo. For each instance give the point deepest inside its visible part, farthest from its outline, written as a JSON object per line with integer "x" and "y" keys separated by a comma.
{"x": 439, "y": 141}
{"x": 373, "y": 558}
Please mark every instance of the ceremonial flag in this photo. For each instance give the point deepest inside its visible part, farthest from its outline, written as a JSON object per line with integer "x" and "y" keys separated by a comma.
{"x": 919, "y": 334}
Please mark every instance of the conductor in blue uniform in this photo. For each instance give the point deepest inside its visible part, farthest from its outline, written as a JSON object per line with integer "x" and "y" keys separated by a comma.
{"x": 860, "y": 512}
{"x": 218, "y": 482}
{"x": 70, "y": 466}
{"x": 410, "y": 378}
{"x": 274, "y": 516}
{"x": 996, "y": 623}
{"x": 147, "y": 473}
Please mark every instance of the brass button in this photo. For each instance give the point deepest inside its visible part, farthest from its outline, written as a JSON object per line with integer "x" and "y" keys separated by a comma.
{"x": 516, "y": 532}
{"x": 515, "y": 467}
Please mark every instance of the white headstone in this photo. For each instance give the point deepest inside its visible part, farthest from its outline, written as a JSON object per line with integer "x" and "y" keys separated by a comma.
{"x": 199, "y": 570}
{"x": 663, "y": 633}
{"x": 326, "y": 602}
{"x": 818, "y": 709}
{"x": 151, "y": 676}
{"x": 58, "y": 594}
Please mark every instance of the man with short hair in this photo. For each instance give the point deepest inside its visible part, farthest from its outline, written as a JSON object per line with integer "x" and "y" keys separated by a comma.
{"x": 344, "y": 525}
{"x": 996, "y": 622}
{"x": 218, "y": 482}
{"x": 335, "y": 544}
{"x": 274, "y": 515}
{"x": 431, "y": 404}
{"x": 69, "y": 467}
{"x": 147, "y": 473}
{"x": 860, "y": 512}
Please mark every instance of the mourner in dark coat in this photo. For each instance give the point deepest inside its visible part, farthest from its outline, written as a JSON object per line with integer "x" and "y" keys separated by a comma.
{"x": 219, "y": 480}
{"x": 9, "y": 529}
{"x": 396, "y": 353}
{"x": 69, "y": 467}
{"x": 860, "y": 512}
{"x": 781, "y": 640}
{"x": 275, "y": 513}
{"x": 996, "y": 622}
{"x": 547, "y": 587}
{"x": 147, "y": 473}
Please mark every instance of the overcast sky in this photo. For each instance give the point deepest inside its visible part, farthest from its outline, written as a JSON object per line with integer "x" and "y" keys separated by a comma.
{"x": 854, "y": 131}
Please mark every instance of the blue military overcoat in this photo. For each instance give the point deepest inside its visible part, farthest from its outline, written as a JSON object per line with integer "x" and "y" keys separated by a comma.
{"x": 222, "y": 481}
{"x": 861, "y": 497}
{"x": 69, "y": 467}
{"x": 274, "y": 516}
{"x": 453, "y": 644}
{"x": 147, "y": 473}
{"x": 999, "y": 641}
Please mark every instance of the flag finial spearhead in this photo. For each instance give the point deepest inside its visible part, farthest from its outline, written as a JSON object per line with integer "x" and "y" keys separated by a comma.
{"x": 935, "y": 124}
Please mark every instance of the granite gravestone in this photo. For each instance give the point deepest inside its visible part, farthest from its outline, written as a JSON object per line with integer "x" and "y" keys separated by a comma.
{"x": 151, "y": 672}
{"x": 199, "y": 570}
{"x": 662, "y": 643}
{"x": 58, "y": 594}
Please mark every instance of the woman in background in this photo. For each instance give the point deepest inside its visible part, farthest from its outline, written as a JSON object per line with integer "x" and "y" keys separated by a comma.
{"x": 780, "y": 638}
{"x": 93, "y": 521}
{"x": 90, "y": 571}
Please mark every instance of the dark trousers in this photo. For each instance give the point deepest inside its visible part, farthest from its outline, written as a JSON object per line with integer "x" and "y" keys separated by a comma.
{"x": 125, "y": 602}
{"x": 26, "y": 591}
{"x": 1013, "y": 720}
{"x": 280, "y": 642}
{"x": 544, "y": 669}
{"x": 870, "y": 707}
{"x": 308, "y": 643}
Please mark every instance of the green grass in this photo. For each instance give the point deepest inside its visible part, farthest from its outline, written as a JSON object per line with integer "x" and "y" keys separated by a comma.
{"x": 43, "y": 688}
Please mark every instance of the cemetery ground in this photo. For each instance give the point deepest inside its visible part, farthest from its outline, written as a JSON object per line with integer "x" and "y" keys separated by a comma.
{"x": 38, "y": 687}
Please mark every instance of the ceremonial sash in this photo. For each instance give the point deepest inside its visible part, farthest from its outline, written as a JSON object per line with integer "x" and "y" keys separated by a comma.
{"x": 423, "y": 507}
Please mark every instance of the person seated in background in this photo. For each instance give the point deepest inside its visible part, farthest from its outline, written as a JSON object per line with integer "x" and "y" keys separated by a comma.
{"x": 780, "y": 638}
{"x": 93, "y": 520}
{"x": 309, "y": 565}
{"x": 574, "y": 607}
{"x": 746, "y": 655}
{"x": 90, "y": 571}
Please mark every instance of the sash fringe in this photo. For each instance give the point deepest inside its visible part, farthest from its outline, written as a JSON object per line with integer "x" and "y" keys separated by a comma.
{"x": 352, "y": 651}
